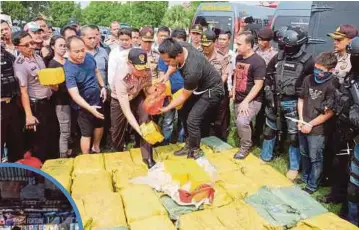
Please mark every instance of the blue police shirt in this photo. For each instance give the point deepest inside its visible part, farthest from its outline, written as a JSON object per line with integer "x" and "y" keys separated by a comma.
{"x": 83, "y": 76}
{"x": 176, "y": 79}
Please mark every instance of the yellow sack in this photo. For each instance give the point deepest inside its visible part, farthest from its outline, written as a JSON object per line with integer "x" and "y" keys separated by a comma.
{"x": 141, "y": 202}
{"x": 237, "y": 185}
{"x": 64, "y": 180}
{"x": 114, "y": 161}
{"x": 151, "y": 132}
{"x": 85, "y": 184}
{"x": 136, "y": 157}
{"x": 201, "y": 220}
{"x": 61, "y": 166}
{"x": 326, "y": 221}
{"x": 222, "y": 161}
{"x": 86, "y": 221}
{"x": 51, "y": 76}
{"x": 176, "y": 95}
{"x": 123, "y": 175}
{"x": 241, "y": 216}
{"x": 153, "y": 223}
{"x": 166, "y": 152}
{"x": 106, "y": 210}
{"x": 88, "y": 163}
{"x": 221, "y": 198}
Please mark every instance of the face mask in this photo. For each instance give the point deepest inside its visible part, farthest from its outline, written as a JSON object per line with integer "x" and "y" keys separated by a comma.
{"x": 320, "y": 76}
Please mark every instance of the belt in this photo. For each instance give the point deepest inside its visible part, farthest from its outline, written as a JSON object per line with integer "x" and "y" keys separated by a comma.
{"x": 35, "y": 100}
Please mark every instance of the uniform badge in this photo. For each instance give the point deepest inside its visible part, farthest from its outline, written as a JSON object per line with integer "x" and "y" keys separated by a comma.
{"x": 141, "y": 57}
{"x": 197, "y": 27}
{"x": 343, "y": 66}
{"x": 148, "y": 34}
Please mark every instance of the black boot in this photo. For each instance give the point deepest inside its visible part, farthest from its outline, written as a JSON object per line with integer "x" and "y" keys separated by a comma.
{"x": 149, "y": 162}
{"x": 195, "y": 153}
{"x": 183, "y": 151}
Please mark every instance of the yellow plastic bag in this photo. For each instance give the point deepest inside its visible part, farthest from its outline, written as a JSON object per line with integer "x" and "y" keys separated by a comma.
{"x": 176, "y": 95}
{"x": 222, "y": 162}
{"x": 141, "y": 202}
{"x": 202, "y": 220}
{"x": 327, "y": 221}
{"x": 114, "y": 161}
{"x": 136, "y": 156}
{"x": 166, "y": 152}
{"x": 221, "y": 198}
{"x": 241, "y": 216}
{"x": 88, "y": 163}
{"x": 123, "y": 175}
{"x": 86, "y": 221}
{"x": 151, "y": 132}
{"x": 85, "y": 184}
{"x": 51, "y": 76}
{"x": 153, "y": 223}
{"x": 106, "y": 210}
{"x": 64, "y": 180}
{"x": 59, "y": 166}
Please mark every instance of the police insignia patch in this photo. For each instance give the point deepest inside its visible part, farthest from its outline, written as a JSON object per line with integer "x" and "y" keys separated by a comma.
{"x": 141, "y": 57}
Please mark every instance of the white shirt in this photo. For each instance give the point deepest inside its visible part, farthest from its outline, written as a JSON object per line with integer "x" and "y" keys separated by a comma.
{"x": 118, "y": 57}
{"x": 232, "y": 66}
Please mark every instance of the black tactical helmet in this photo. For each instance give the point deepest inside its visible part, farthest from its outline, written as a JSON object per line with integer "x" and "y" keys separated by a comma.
{"x": 353, "y": 47}
{"x": 278, "y": 36}
{"x": 294, "y": 38}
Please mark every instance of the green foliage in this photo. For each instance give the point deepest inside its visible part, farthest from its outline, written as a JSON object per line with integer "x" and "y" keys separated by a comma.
{"x": 176, "y": 17}
{"x": 14, "y": 9}
{"x": 60, "y": 12}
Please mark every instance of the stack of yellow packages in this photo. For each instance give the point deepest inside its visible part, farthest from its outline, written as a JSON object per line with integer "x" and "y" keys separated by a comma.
{"x": 88, "y": 163}
{"x": 151, "y": 132}
{"x": 222, "y": 161}
{"x": 106, "y": 210}
{"x": 115, "y": 161}
{"x": 86, "y": 221}
{"x": 61, "y": 170}
{"x": 153, "y": 223}
{"x": 140, "y": 203}
{"x": 200, "y": 220}
{"x": 167, "y": 152}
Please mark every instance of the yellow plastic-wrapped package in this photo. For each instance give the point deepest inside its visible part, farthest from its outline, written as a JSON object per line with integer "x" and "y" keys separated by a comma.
{"x": 221, "y": 198}
{"x": 51, "y": 76}
{"x": 123, "y": 175}
{"x": 200, "y": 220}
{"x": 106, "y": 210}
{"x": 151, "y": 132}
{"x": 176, "y": 95}
{"x": 153, "y": 223}
{"x": 141, "y": 202}
{"x": 240, "y": 215}
{"x": 88, "y": 163}
{"x": 136, "y": 156}
{"x": 85, "y": 184}
{"x": 59, "y": 166}
{"x": 222, "y": 162}
{"x": 166, "y": 152}
{"x": 326, "y": 221}
{"x": 86, "y": 221}
{"x": 64, "y": 180}
{"x": 114, "y": 161}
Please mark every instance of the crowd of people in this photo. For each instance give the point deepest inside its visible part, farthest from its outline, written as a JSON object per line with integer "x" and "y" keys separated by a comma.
{"x": 278, "y": 93}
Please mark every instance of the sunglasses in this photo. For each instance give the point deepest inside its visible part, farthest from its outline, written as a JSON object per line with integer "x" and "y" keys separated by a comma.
{"x": 27, "y": 45}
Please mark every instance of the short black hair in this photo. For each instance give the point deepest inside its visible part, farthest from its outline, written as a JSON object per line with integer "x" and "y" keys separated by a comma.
{"x": 135, "y": 30}
{"x": 170, "y": 47}
{"x": 94, "y": 27}
{"x": 327, "y": 59}
{"x": 125, "y": 31}
{"x": 17, "y": 36}
{"x": 72, "y": 38}
{"x": 227, "y": 32}
{"x": 248, "y": 37}
{"x": 164, "y": 29}
{"x": 67, "y": 27}
{"x": 179, "y": 33}
{"x": 4, "y": 21}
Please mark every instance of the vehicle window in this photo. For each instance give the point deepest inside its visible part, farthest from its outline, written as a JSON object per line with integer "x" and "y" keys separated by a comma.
{"x": 217, "y": 22}
{"x": 298, "y": 21}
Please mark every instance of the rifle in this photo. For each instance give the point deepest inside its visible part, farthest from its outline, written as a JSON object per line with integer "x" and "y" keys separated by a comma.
{"x": 278, "y": 99}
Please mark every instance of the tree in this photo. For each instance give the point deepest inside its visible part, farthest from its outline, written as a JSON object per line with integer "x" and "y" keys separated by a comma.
{"x": 60, "y": 12}
{"x": 147, "y": 13}
{"x": 35, "y": 8}
{"x": 101, "y": 13}
{"x": 176, "y": 17}
{"x": 15, "y": 10}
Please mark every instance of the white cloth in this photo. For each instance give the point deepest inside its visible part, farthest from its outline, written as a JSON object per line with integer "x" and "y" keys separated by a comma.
{"x": 118, "y": 57}
{"x": 232, "y": 67}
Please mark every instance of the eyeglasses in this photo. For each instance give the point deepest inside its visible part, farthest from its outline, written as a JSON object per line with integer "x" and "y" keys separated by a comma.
{"x": 27, "y": 45}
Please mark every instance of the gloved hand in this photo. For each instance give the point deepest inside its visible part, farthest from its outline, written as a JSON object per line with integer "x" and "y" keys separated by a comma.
{"x": 354, "y": 115}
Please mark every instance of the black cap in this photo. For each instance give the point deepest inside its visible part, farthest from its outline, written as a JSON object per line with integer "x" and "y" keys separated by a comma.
{"x": 266, "y": 34}
{"x": 197, "y": 28}
{"x": 208, "y": 38}
{"x": 73, "y": 21}
{"x": 138, "y": 58}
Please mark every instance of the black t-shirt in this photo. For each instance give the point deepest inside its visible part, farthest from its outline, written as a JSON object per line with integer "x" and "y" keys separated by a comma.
{"x": 314, "y": 95}
{"x": 247, "y": 71}
{"x": 61, "y": 96}
{"x": 198, "y": 73}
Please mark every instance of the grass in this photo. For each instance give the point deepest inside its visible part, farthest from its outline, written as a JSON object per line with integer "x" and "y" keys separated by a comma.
{"x": 280, "y": 163}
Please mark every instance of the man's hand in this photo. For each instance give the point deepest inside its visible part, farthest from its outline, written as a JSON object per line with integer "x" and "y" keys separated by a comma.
{"x": 103, "y": 94}
{"x": 164, "y": 110}
{"x": 306, "y": 129}
{"x": 95, "y": 112}
{"x": 31, "y": 122}
{"x": 300, "y": 125}
{"x": 243, "y": 109}
{"x": 163, "y": 79}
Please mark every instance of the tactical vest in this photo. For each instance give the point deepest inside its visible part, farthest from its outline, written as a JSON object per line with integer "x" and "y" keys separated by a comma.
{"x": 9, "y": 83}
{"x": 288, "y": 72}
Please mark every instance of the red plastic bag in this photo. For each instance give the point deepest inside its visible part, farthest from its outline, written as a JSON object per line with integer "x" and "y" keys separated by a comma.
{"x": 155, "y": 99}
{"x": 30, "y": 161}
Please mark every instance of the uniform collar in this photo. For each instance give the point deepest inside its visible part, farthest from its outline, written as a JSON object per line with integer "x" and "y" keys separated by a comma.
{"x": 214, "y": 55}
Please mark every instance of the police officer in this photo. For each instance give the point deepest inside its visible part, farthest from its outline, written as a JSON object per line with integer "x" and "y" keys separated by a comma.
{"x": 348, "y": 97}
{"x": 221, "y": 63}
{"x": 195, "y": 35}
{"x": 147, "y": 39}
{"x": 286, "y": 72}
{"x": 11, "y": 120}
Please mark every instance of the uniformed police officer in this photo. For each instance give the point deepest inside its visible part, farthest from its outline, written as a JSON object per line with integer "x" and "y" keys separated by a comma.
{"x": 11, "y": 120}
{"x": 196, "y": 33}
{"x": 147, "y": 39}
{"x": 286, "y": 72}
{"x": 221, "y": 63}
{"x": 40, "y": 113}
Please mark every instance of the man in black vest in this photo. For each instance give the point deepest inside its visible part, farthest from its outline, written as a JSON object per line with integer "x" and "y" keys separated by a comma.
{"x": 285, "y": 74}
